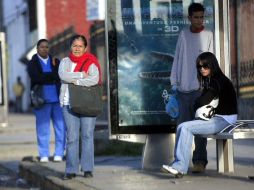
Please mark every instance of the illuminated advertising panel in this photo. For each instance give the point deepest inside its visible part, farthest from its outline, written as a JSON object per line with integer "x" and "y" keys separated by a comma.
{"x": 141, "y": 40}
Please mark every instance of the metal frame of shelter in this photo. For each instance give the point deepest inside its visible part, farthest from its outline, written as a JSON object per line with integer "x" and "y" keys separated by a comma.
{"x": 159, "y": 147}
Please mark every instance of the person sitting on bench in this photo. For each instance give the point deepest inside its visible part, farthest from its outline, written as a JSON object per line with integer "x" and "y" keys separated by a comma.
{"x": 216, "y": 109}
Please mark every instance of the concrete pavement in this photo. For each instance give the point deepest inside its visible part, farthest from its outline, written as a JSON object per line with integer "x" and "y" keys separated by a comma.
{"x": 16, "y": 141}
{"x": 125, "y": 173}
{"x": 117, "y": 172}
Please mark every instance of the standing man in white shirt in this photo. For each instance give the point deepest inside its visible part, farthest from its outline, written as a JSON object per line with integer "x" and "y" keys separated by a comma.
{"x": 192, "y": 41}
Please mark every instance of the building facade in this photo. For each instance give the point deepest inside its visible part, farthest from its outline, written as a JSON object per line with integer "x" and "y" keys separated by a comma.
{"x": 26, "y": 21}
{"x": 242, "y": 54}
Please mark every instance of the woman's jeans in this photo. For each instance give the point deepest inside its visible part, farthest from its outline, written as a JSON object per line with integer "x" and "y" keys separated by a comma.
{"x": 184, "y": 138}
{"x": 43, "y": 116}
{"x": 187, "y": 113}
{"x": 79, "y": 126}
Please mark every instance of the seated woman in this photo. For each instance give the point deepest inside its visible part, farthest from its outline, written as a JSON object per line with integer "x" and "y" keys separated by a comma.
{"x": 214, "y": 85}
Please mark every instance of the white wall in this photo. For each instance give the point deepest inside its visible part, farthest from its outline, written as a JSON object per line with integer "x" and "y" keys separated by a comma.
{"x": 15, "y": 20}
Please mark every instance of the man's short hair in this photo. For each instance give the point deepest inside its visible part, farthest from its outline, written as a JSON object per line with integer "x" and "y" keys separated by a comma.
{"x": 195, "y": 7}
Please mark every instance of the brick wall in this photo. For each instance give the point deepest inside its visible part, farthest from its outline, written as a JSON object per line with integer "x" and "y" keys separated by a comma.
{"x": 62, "y": 14}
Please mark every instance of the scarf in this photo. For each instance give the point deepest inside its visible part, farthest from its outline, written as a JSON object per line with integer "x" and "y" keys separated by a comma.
{"x": 197, "y": 30}
{"x": 89, "y": 59}
{"x": 78, "y": 60}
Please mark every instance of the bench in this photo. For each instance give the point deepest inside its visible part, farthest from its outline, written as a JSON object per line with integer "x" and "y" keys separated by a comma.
{"x": 224, "y": 143}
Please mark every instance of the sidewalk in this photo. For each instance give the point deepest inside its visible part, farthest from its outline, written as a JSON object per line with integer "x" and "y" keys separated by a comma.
{"x": 125, "y": 173}
{"x": 115, "y": 173}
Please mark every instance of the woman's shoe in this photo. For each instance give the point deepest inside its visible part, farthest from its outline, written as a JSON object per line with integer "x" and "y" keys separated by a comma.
{"x": 88, "y": 174}
{"x": 44, "y": 159}
{"x": 169, "y": 169}
{"x": 57, "y": 159}
{"x": 68, "y": 176}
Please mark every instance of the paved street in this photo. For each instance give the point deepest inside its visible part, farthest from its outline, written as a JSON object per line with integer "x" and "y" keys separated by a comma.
{"x": 17, "y": 140}
{"x": 10, "y": 180}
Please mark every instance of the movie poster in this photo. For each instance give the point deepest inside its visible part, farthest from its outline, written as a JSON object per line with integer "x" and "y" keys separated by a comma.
{"x": 146, "y": 37}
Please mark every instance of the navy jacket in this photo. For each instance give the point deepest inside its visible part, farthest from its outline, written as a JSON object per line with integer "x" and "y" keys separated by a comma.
{"x": 36, "y": 75}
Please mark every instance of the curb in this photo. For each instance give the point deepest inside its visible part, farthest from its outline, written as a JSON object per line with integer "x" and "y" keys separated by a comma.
{"x": 46, "y": 178}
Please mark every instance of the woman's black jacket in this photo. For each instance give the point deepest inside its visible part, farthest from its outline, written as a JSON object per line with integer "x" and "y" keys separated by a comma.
{"x": 36, "y": 75}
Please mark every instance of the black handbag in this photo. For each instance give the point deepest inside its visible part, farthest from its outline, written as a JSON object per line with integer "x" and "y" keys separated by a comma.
{"x": 86, "y": 100}
{"x": 36, "y": 95}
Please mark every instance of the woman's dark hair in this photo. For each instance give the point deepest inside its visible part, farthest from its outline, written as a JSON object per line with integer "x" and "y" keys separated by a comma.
{"x": 40, "y": 41}
{"x": 195, "y": 7}
{"x": 211, "y": 61}
{"x": 78, "y": 37}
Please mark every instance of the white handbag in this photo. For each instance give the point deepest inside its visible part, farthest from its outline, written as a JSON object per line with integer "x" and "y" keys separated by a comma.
{"x": 206, "y": 112}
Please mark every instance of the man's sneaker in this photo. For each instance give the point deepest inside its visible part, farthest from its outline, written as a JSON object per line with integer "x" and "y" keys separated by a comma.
{"x": 44, "y": 159}
{"x": 169, "y": 169}
{"x": 57, "y": 159}
{"x": 198, "y": 168}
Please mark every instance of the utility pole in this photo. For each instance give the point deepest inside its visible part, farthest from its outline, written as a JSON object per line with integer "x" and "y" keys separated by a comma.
{"x": 3, "y": 83}
{"x": 1, "y": 16}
